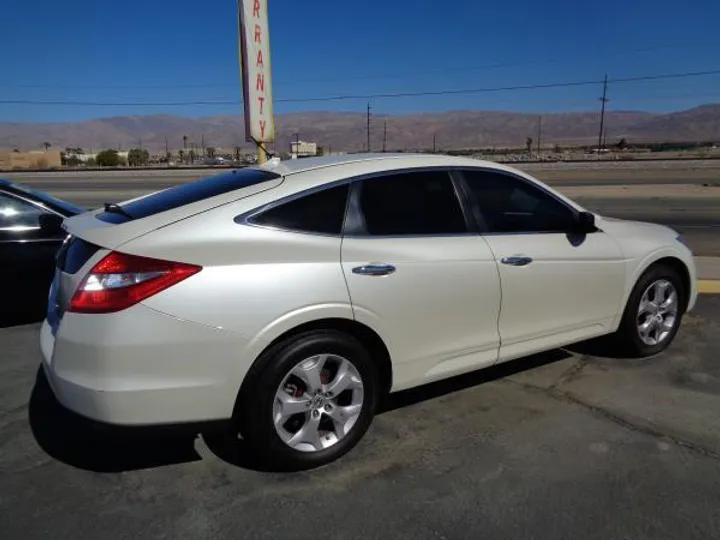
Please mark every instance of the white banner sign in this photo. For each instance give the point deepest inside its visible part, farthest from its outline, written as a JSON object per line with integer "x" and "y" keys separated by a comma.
{"x": 256, "y": 73}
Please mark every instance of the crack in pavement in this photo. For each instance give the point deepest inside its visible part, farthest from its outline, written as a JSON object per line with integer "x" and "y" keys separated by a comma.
{"x": 572, "y": 373}
{"x": 554, "y": 393}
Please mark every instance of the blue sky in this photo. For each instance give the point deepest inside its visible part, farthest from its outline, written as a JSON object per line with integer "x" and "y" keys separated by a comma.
{"x": 163, "y": 51}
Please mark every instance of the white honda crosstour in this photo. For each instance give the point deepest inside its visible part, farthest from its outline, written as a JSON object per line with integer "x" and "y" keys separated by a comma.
{"x": 288, "y": 298}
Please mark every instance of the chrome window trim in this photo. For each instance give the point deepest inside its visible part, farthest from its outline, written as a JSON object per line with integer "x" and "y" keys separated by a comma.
{"x": 31, "y": 240}
{"x": 19, "y": 228}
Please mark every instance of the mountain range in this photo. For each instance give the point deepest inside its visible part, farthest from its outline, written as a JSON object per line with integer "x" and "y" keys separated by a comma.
{"x": 347, "y": 131}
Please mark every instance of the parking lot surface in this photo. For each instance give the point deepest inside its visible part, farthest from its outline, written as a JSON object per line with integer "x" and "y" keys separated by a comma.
{"x": 569, "y": 444}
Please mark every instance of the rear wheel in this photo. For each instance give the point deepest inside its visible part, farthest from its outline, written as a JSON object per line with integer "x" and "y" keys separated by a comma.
{"x": 309, "y": 400}
{"x": 653, "y": 312}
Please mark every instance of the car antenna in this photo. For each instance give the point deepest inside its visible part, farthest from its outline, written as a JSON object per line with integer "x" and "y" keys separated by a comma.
{"x": 115, "y": 208}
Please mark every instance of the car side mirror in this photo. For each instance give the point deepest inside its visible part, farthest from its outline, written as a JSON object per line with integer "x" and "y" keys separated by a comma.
{"x": 51, "y": 223}
{"x": 584, "y": 223}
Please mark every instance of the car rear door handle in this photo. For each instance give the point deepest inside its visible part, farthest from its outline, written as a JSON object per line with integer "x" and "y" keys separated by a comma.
{"x": 374, "y": 269}
{"x": 516, "y": 260}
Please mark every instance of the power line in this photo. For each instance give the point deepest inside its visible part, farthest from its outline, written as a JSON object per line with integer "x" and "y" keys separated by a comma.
{"x": 390, "y": 75}
{"x": 499, "y": 88}
{"x": 392, "y": 95}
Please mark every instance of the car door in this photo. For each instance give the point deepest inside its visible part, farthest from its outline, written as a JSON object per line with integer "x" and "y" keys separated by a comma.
{"x": 557, "y": 287}
{"x": 27, "y": 253}
{"x": 419, "y": 274}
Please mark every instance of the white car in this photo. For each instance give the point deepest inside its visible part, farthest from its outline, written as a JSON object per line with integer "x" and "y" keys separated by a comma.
{"x": 290, "y": 297}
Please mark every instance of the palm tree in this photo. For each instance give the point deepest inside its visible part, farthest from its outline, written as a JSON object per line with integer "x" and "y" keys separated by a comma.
{"x": 46, "y": 145}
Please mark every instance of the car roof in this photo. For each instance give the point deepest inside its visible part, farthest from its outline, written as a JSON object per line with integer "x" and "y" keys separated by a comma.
{"x": 327, "y": 169}
{"x": 58, "y": 205}
{"x": 391, "y": 161}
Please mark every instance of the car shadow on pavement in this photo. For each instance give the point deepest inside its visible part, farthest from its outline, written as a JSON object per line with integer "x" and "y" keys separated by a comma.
{"x": 234, "y": 452}
{"x": 89, "y": 445}
{"x": 444, "y": 387}
{"x": 85, "y": 444}
{"x": 600, "y": 347}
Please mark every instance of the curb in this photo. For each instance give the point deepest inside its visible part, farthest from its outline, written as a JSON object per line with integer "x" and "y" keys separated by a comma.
{"x": 708, "y": 286}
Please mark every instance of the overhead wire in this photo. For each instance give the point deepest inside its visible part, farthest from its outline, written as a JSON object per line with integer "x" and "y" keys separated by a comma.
{"x": 381, "y": 95}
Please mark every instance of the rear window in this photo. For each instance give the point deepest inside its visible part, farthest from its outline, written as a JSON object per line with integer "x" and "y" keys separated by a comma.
{"x": 189, "y": 193}
{"x": 74, "y": 253}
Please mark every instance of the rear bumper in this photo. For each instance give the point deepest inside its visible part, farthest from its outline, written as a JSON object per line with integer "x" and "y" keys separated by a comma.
{"x": 141, "y": 367}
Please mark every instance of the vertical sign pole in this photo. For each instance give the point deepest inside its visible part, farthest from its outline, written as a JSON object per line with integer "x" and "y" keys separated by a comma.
{"x": 254, "y": 37}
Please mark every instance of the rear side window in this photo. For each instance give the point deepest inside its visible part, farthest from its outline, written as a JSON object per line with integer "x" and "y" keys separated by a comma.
{"x": 320, "y": 212}
{"x": 178, "y": 196}
{"x": 415, "y": 203}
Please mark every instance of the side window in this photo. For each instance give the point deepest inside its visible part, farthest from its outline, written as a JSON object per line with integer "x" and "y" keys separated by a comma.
{"x": 319, "y": 212}
{"x": 415, "y": 203}
{"x": 511, "y": 205}
{"x": 16, "y": 214}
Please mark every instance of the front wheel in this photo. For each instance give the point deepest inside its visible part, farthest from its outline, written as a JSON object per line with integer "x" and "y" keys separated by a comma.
{"x": 653, "y": 313}
{"x": 310, "y": 400}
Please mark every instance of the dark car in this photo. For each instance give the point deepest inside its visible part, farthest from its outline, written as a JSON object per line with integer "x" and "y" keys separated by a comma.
{"x": 27, "y": 250}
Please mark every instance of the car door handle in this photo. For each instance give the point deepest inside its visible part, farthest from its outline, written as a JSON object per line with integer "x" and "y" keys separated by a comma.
{"x": 517, "y": 260}
{"x": 374, "y": 269}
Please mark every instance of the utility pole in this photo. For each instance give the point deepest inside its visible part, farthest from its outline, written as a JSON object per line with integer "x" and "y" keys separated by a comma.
{"x": 434, "y": 147}
{"x": 384, "y": 135}
{"x": 167, "y": 152}
{"x": 539, "y": 135}
{"x": 202, "y": 143}
{"x": 368, "y": 127}
{"x": 604, "y": 100}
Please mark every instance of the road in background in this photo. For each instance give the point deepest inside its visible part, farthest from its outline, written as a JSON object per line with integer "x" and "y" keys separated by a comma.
{"x": 698, "y": 218}
{"x": 566, "y": 174}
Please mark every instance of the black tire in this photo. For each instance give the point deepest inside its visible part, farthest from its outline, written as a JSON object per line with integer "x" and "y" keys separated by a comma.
{"x": 254, "y": 412}
{"x": 627, "y": 337}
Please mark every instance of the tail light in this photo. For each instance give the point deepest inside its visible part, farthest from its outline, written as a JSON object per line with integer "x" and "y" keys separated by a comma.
{"x": 120, "y": 280}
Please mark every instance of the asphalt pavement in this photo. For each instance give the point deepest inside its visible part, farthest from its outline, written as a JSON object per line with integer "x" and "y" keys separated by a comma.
{"x": 568, "y": 444}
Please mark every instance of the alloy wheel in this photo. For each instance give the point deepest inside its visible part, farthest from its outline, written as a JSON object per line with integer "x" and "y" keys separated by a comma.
{"x": 657, "y": 312}
{"x": 318, "y": 402}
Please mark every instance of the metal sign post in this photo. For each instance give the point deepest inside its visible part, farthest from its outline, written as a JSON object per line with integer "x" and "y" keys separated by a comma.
{"x": 254, "y": 36}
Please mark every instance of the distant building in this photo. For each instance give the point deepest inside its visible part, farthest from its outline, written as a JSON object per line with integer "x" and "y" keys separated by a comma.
{"x": 303, "y": 149}
{"x": 34, "y": 159}
{"x": 84, "y": 158}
